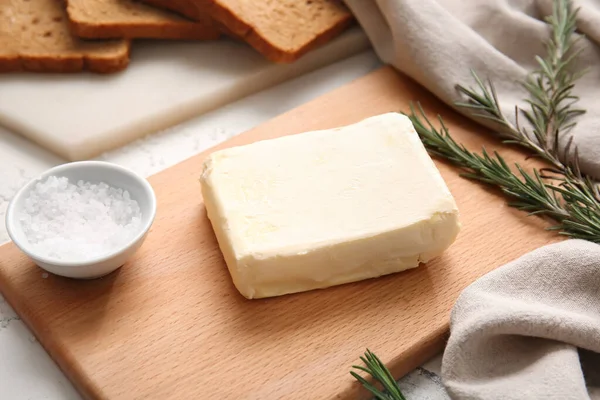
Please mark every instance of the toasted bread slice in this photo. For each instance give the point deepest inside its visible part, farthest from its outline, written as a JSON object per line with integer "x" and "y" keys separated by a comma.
{"x": 104, "y": 19}
{"x": 35, "y": 36}
{"x": 282, "y": 30}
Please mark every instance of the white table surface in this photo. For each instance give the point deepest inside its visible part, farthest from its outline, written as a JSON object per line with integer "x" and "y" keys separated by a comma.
{"x": 26, "y": 370}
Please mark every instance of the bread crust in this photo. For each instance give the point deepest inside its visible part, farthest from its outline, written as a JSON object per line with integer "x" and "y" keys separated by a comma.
{"x": 239, "y": 28}
{"x": 64, "y": 64}
{"x": 132, "y": 20}
{"x": 135, "y": 31}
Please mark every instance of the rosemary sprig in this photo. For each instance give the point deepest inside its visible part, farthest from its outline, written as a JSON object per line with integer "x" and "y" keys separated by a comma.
{"x": 550, "y": 87}
{"x": 575, "y": 201}
{"x": 528, "y": 192}
{"x": 577, "y": 214}
{"x": 379, "y": 372}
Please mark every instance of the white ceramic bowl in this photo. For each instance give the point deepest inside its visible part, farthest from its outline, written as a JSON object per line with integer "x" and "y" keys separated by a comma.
{"x": 91, "y": 171}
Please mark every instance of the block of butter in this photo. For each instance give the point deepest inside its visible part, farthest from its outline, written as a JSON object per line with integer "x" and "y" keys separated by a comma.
{"x": 328, "y": 207}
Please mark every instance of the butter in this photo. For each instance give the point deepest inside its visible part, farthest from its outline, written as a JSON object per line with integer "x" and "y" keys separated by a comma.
{"x": 327, "y": 207}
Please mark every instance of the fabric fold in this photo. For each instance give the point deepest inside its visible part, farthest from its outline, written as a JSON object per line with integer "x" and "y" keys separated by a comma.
{"x": 515, "y": 333}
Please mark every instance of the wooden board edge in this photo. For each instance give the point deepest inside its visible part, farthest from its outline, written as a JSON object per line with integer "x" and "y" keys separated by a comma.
{"x": 63, "y": 359}
{"x": 398, "y": 365}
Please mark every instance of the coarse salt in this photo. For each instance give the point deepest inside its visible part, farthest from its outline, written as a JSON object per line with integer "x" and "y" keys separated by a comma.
{"x": 76, "y": 222}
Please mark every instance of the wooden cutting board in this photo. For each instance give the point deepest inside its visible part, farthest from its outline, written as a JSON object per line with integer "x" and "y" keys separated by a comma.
{"x": 79, "y": 116}
{"x": 170, "y": 324}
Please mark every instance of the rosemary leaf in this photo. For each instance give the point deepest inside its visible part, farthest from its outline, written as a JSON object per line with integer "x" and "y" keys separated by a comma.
{"x": 577, "y": 213}
{"x": 550, "y": 87}
{"x": 380, "y": 373}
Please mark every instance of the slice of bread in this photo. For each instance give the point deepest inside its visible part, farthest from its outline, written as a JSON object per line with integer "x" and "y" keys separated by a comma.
{"x": 35, "y": 36}
{"x": 282, "y": 30}
{"x": 104, "y": 19}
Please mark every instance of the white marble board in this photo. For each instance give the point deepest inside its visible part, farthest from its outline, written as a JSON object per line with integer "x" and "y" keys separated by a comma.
{"x": 79, "y": 116}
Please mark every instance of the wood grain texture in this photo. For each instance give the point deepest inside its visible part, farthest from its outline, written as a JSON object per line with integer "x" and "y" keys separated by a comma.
{"x": 171, "y": 325}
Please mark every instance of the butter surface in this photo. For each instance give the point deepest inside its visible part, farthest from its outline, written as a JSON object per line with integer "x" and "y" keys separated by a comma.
{"x": 327, "y": 207}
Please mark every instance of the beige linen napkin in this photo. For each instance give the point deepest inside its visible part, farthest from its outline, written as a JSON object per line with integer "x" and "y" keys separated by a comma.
{"x": 438, "y": 42}
{"x": 515, "y": 333}
{"x": 530, "y": 329}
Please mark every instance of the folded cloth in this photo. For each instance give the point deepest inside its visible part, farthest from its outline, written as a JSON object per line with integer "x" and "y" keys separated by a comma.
{"x": 530, "y": 329}
{"x": 438, "y": 42}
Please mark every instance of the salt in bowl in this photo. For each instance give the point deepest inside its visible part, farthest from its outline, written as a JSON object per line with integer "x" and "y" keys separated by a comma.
{"x": 94, "y": 172}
